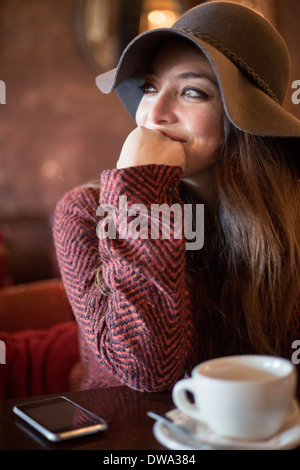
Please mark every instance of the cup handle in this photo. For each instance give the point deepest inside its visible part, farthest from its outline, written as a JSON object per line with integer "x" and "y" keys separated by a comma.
{"x": 179, "y": 395}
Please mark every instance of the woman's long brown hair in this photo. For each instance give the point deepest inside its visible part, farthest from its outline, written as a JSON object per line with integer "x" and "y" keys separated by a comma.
{"x": 247, "y": 276}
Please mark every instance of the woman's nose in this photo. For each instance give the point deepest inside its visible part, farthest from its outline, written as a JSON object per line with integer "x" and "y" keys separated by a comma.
{"x": 162, "y": 110}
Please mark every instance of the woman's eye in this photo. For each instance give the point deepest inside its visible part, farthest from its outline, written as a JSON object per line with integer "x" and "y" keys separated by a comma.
{"x": 147, "y": 88}
{"x": 194, "y": 93}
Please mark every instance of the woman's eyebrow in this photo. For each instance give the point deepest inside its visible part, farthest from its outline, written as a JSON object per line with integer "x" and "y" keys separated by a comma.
{"x": 187, "y": 75}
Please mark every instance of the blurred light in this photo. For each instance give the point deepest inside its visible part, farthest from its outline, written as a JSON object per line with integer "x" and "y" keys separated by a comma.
{"x": 50, "y": 169}
{"x": 161, "y": 18}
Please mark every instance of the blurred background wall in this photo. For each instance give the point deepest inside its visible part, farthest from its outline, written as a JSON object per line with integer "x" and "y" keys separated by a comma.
{"x": 56, "y": 129}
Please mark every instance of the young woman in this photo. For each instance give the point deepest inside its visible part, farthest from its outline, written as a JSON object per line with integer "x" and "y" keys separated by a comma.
{"x": 211, "y": 130}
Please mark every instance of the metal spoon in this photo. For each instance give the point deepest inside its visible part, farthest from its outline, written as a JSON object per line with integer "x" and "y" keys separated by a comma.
{"x": 178, "y": 431}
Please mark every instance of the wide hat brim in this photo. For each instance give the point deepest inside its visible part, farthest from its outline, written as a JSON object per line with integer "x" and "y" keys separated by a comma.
{"x": 247, "y": 107}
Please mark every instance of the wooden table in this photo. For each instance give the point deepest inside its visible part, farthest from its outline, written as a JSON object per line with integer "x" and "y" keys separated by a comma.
{"x": 129, "y": 427}
{"x": 129, "y": 433}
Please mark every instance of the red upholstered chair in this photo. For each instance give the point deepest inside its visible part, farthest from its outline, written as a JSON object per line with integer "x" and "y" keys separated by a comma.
{"x": 39, "y": 339}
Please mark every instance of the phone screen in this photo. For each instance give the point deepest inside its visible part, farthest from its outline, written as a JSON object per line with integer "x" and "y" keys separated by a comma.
{"x": 59, "y": 415}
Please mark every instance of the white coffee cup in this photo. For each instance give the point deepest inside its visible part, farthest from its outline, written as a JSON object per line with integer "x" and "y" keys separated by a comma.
{"x": 241, "y": 397}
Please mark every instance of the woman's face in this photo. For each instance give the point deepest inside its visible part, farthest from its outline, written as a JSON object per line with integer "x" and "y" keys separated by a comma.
{"x": 182, "y": 99}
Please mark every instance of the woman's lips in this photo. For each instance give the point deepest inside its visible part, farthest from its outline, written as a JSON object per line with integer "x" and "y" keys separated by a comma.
{"x": 173, "y": 137}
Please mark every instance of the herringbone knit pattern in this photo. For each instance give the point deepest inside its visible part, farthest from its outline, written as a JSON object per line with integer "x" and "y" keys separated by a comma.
{"x": 140, "y": 334}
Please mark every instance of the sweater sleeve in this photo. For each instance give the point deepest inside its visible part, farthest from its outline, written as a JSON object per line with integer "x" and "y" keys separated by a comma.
{"x": 140, "y": 332}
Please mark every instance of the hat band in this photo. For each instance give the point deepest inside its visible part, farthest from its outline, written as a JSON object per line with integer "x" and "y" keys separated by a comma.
{"x": 238, "y": 61}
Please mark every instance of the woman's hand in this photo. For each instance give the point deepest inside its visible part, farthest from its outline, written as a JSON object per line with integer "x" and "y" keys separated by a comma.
{"x": 144, "y": 146}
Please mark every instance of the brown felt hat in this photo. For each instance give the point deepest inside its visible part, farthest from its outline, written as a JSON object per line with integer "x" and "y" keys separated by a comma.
{"x": 248, "y": 55}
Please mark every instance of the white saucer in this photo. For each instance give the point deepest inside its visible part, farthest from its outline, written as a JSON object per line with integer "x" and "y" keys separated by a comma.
{"x": 287, "y": 438}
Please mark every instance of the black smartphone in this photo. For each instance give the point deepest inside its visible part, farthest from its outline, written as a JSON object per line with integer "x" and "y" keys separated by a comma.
{"x": 59, "y": 418}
